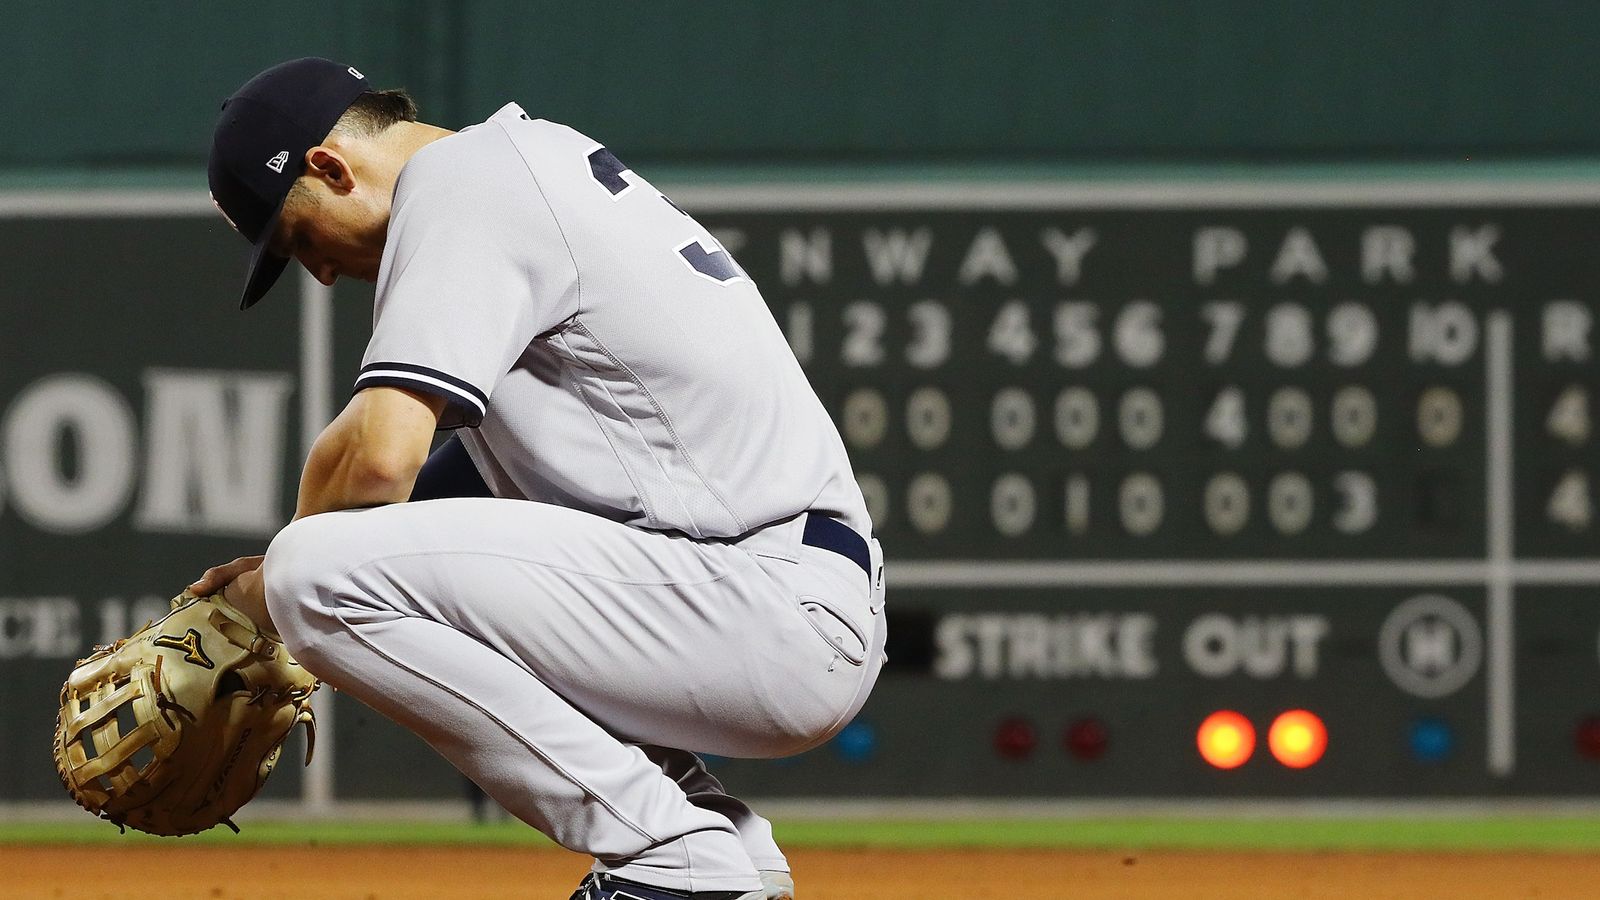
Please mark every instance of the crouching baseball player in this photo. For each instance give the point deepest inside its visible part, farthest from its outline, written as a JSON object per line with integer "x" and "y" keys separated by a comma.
{"x": 643, "y": 541}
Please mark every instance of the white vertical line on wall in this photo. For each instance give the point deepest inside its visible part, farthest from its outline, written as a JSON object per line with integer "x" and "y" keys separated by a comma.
{"x": 316, "y": 410}
{"x": 1501, "y": 524}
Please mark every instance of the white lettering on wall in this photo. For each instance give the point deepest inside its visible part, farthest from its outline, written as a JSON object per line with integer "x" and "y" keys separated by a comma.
{"x": 1566, "y": 331}
{"x": 39, "y": 627}
{"x": 897, "y": 255}
{"x": 1472, "y": 254}
{"x": 88, "y": 412}
{"x": 213, "y": 460}
{"x": 988, "y": 258}
{"x": 1069, "y": 251}
{"x": 1217, "y": 248}
{"x": 1029, "y": 645}
{"x": 1299, "y": 257}
{"x": 1217, "y": 645}
{"x": 806, "y": 256}
{"x": 216, "y": 445}
{"x": 1386, "y": 253}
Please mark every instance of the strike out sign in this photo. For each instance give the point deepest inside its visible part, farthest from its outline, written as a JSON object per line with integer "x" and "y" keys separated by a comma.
{"x": 1212, "y": 386}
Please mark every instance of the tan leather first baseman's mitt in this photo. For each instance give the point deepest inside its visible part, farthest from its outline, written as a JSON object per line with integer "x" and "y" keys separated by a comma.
{"x": 171, "y": 730}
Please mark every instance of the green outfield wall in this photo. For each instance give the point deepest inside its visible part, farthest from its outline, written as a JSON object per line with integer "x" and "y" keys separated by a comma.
{"x": 111, "y": 85}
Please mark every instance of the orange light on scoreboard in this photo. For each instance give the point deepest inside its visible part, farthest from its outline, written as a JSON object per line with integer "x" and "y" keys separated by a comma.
{"x": 1226, "y": 739}
{"x": 1297, "y": 739}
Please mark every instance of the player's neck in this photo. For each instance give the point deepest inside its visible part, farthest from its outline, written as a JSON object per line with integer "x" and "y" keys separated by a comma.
{"x": 406, "y": 138}
{"x": 387, "y": 153}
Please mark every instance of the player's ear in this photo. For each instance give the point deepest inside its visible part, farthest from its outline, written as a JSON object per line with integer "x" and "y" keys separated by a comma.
{"x": 327, "y": 166}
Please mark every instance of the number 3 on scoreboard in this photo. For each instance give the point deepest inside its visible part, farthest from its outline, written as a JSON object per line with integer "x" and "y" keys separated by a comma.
{"x": 703, "y": 254}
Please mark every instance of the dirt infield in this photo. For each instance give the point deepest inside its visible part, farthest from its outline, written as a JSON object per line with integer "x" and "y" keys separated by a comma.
{"x": 425, "y": 873}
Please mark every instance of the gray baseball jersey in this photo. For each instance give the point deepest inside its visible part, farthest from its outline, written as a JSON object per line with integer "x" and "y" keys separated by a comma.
{"x": 610, "y": 354}
{"x": 573, "y": 655}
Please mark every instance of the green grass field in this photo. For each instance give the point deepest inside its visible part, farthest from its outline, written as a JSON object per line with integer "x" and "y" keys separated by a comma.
{"x": 1522, "y": 833}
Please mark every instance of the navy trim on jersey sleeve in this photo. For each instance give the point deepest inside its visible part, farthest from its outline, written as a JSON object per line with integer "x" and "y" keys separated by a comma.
{"x": 467, "y": 404}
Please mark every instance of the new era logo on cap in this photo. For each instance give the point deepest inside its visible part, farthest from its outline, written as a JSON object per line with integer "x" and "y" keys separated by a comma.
{"x": 277, "y": 163}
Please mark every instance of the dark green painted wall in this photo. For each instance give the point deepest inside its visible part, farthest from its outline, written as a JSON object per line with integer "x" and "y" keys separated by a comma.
{"x": 113, "y": 85}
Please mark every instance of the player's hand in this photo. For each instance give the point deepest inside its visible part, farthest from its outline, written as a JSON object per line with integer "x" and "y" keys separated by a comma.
{"x": 242, "y": 584}
{"x": 218, "y": 577}
{"x": 248, "y": 594}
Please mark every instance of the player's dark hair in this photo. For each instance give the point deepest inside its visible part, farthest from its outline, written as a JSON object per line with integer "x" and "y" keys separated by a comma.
{"x": 369, "y": 115}
{"x": 375, "y": 111}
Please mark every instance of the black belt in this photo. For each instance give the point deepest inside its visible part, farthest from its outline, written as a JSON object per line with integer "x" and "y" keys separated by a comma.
{"x": 832, "y": 534}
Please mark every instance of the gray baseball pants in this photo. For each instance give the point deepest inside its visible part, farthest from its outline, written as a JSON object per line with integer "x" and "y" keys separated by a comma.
{"x": 572, "y": 666}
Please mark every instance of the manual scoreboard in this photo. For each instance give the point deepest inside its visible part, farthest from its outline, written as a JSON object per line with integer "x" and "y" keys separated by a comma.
{"x": 1186, "y": 490}
{"x": 1140, "y": 455}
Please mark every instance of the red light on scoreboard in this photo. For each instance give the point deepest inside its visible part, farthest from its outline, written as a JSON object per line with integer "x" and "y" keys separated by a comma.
{"x": 1297, "y": 739}
{"x": 1086, "y": 738}
{"x": 1226, "y": 739}
{"x": 1015, "y": 738}
{"x": 1587, "y": 738}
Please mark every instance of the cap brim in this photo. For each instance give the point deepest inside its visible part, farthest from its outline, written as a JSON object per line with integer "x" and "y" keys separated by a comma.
{"x": 265, "y": 266}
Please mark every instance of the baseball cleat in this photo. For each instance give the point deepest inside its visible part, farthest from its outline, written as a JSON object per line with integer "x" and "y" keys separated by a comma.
{"x": 599, "y": 886}
{"x": 778, "y": 885}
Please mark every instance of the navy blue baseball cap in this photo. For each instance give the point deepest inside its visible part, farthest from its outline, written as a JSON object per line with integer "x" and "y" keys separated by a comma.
{"x": 259, "y": 149}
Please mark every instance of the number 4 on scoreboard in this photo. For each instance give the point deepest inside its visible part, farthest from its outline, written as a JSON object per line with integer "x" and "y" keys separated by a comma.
{"x": 1011, "y": 334}
{"x": 1569, "y": 503}
{"x": 1569, "y": 416}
